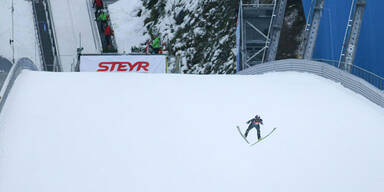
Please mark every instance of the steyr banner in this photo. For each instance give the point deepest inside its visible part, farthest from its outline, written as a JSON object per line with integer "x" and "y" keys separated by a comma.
{"x": 124, "y": 63}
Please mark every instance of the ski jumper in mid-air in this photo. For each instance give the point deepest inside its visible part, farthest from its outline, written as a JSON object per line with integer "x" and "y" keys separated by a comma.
{"x": 254, "y": 123}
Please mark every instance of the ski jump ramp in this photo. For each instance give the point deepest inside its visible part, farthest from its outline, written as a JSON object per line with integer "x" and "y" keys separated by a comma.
{"x": 72, "y": 24}
{"x": 109, "y": 132}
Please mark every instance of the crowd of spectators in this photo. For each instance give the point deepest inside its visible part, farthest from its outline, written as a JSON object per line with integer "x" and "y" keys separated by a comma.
{"x": 104, "y": 26}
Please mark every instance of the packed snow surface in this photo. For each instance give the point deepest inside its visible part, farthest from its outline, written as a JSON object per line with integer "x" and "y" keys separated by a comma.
{"x": 25, "y": 41}
{"x": 99, "y": 132}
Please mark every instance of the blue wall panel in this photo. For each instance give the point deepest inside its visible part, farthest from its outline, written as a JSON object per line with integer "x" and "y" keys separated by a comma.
{"x": 332, "y": 30}
{"x": 370, "y": 50}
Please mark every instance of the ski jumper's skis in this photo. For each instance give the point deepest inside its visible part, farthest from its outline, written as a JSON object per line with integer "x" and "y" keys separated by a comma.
{"x": 242, "y": 135}
{"x": 262, "y": 138}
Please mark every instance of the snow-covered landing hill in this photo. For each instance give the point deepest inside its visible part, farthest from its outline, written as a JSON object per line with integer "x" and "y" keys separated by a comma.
{"x": 93, "y": 132}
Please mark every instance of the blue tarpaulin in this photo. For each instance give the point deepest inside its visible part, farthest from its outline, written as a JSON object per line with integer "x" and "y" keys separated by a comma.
{"x": 332, "y": 30}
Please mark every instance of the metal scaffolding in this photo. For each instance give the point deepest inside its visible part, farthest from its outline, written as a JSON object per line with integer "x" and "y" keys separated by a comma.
{"x": 312, "y": 29}
{"x": 260, "y": 25}
{"x": 277, "y": 20}
{"x": 348, "y": 51}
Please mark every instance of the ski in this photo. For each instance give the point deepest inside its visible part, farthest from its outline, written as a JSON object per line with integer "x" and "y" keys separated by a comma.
{"x": 262, "y": 138}
{"x": 242, "y": 135}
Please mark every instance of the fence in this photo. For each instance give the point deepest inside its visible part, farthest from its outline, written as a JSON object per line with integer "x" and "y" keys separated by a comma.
{"x": 358, "y": 85}
{"x": 37, "y": 37}
{"x": 370, "y": 77}
{"x": 23, "y": 63}
{"x": 95, "y": 29}
{"x": 57, "y": 62}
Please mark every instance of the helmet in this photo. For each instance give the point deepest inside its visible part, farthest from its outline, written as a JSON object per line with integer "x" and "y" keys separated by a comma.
{"x": 155, "y": 31}
{"x": 257, "y": 116}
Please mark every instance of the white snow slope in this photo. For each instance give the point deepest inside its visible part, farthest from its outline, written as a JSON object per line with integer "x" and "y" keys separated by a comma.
{"x": 98, "y": 132}
{"x": 24, "y": 31}
{"x": 72, "y": 24}
{"x": 128, "y": 28}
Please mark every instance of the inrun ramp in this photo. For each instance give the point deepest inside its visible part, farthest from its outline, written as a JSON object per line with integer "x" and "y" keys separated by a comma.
{"x": 73, "y": 30}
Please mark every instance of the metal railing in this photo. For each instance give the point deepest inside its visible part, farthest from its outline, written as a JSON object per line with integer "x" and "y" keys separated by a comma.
{"x": 51, "y": 23}
{"x": 258, "y": 3}
{"x": 348, "y": 80}
{"x": 368, "y": 76}
{"x": 37, "y": 37}
{"x": 95, "y": 29}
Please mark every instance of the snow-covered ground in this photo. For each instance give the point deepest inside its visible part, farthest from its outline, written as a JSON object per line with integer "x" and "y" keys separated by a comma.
{"x": 24, "y": 31}
{"x": 72, "y": 22}
{"x": 98, "y": 132}
{"x": 128, "y": 27}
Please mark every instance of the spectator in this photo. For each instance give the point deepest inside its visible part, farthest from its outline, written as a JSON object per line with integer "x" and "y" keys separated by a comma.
{"x": 99, "y": 6}
{"x": 148, "y": 47}
{"x": 164, "y": 49}
{"x": 108, "y": 32}
{"x": 103, "y": 18}
{"x": 156, "y": 45}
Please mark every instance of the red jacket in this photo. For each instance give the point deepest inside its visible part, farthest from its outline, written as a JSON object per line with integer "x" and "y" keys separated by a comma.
{"x": 99, "y": 3}
{"x": 108, "y": 30}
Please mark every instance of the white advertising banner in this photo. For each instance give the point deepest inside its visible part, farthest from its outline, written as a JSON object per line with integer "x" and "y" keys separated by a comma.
{"x": 123, "y": 63}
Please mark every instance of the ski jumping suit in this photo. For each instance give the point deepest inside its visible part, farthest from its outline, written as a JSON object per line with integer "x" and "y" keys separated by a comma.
{"x": 254, "y": 123}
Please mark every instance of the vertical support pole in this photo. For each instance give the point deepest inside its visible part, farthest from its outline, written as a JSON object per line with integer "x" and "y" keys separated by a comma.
{"x": 268, "y": 40}
{"x": 348, "y": 51}
{"x": 276, "y": 29}
{"x": 243, "y": 35}
{"x": 314, "y": 29}
{"x": 342, "y": 54}
{"x": 166, "y": 64}
{"x": 12, "y": 41}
